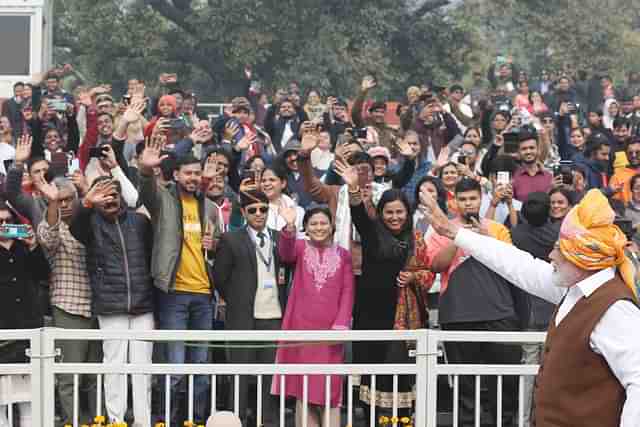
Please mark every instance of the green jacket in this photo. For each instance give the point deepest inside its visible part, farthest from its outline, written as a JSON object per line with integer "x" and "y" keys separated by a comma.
{"x": 165, "y": 208}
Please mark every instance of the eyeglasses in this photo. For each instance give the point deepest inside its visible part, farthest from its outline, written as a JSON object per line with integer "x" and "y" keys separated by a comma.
{"x": 253, "y": 211}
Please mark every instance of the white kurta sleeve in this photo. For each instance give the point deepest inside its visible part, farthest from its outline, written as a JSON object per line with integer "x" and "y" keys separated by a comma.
{"x": 517, "y": 266}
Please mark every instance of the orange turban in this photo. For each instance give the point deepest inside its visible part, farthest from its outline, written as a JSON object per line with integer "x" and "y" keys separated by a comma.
{"x": 590, "y": 240}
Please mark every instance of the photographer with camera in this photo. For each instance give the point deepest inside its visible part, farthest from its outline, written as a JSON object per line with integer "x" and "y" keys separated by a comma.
{"x": 436, "y": 128}
{"x": 563, "y": 93}
{"x": 336, "y": 120}
{"x": 376, "y": 118}
{"x": 499, "y": 205}
{"x": 22, "y": 266}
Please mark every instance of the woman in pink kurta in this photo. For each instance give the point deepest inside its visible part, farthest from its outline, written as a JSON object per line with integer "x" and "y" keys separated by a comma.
{"x": 321, "y": 298}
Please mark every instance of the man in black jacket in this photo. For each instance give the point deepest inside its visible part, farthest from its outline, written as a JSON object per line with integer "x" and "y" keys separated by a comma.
{"x": 283, "y": 122}
{"x": 250, "y": 278}
{"x": 118, "y": 243}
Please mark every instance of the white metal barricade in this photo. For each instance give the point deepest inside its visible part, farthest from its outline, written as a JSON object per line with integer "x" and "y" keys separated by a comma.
{"x": 436, "y": 369}
{"x": 32, "y": 368}
{"x": 51, "y": 368}
{"x": 43, "y": 367}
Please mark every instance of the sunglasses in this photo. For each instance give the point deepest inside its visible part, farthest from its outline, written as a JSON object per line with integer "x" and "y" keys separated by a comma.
{"x": 253, "y": 211}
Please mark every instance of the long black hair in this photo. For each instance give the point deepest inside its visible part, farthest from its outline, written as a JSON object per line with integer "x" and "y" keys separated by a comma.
{"x": 399, "y": 246}
{"x": 440, "y": 190}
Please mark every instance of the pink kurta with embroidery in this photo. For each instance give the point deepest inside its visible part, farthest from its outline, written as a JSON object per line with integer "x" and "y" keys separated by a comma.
{"x": 321, "y": 298}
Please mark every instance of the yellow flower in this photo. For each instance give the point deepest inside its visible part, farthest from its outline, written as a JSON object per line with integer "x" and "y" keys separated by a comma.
{"x": 405, "y": 420}
{"x": 383, "y": 420}
{"x": 394, "y": 420}
{"x": 159, "y": 425}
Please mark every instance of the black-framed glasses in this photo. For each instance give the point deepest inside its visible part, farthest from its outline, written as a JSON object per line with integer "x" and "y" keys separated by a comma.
{"x": 253, "y": 211}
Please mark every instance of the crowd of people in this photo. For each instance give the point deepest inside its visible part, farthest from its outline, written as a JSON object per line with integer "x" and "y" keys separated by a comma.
{"x": 140, "y": 213}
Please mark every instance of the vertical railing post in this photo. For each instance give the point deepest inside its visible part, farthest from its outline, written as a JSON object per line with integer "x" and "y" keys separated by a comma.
{"x": 431, "y": 362}
{"x": 421, "y": 378}
{"x": 47, "y": 378}
{"x": 35, "y": 346}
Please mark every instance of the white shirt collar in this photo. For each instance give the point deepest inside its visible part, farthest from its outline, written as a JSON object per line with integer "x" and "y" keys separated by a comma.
{"x": 254, "y": 233}
{"x": 593, "y": 282}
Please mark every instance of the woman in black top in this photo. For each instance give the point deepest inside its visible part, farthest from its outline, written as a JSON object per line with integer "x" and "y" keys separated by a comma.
{"x": 387, "y": 244}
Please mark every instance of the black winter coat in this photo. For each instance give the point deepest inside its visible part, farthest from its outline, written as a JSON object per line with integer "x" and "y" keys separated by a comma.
{"x": 118, "y": 259}
{"x": 20, "y": 272}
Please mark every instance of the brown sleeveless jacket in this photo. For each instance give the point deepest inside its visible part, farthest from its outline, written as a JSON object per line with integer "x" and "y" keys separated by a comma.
{"x": 575, "y": 386}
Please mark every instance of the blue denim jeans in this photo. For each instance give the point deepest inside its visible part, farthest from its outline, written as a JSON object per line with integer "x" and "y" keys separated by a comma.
{"x": 184, "y": 311}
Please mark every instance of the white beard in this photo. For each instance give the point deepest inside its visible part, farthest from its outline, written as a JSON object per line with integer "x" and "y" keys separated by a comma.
{"x": 564, "y": 278}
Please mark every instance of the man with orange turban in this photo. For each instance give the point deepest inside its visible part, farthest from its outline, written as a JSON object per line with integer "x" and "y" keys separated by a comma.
{"x": 590, "y": 373}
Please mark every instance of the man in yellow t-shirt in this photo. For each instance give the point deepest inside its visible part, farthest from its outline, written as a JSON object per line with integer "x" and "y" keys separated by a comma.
{"x": 183, "y": 223}
{"x": 191, "y": 275}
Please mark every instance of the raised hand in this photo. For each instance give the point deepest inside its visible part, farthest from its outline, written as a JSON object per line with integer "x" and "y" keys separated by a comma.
{"x": 85, "y": 98}
{"x": 368, "y": 83}
{"x": 348, "y": 173}
{"x": 101, "y": 193}
{"x": 23, "y": 148}
{"x": 289, "y": 214}
{"x": 47, "y": 189}
{"x": 152, "y": 156}
{"x": 134, "y": 112}
{"x": 110, "y": 157}
{"x": 249, "y": 184}
{"x": 210, "y": 168}
{"x": 245, "y": 142}
{"x": 231, "y": 128}
{"x": 200, "y": 135}
{"x": 439, "y": 221}
{"x": 309, "y": 142}
{"x": 405, "y": 149}
{"x": 80, "y": 181}
{"x": 163, "y": 124}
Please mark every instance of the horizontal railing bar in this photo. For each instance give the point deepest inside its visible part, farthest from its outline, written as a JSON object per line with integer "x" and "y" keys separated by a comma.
{"x": 460, "y": 369}
{"x": 15, "y": 369}
{"x": 233, "y": 369}
{"x": 486, "y": 336}
{"x": 226, "y": 336}
{"x": 19, "y": 334}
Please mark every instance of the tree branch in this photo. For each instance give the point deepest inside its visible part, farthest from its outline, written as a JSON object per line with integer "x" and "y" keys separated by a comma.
{"x": 430, "y": 6}
{"x": 173, "y": 14}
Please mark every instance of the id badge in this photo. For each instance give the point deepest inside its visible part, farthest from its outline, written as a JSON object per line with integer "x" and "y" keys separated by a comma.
{"x": 268, "y": 285}
{"x": 281, "y": 277}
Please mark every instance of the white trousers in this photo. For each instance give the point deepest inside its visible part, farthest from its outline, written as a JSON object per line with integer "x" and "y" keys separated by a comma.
{"x": 118, "y": 352}
{"x": 24, "y": 409}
